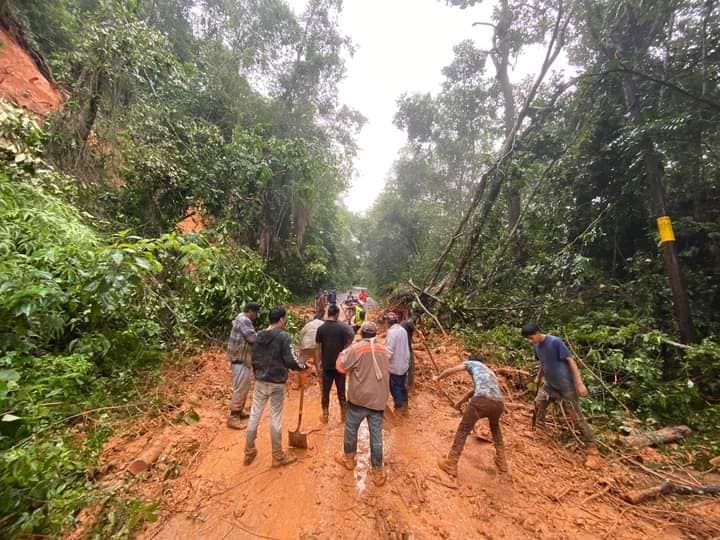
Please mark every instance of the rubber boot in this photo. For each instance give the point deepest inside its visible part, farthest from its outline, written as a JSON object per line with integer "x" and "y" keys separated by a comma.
{"x": 346, "y": 460}
{"x": 378, "y": 476}
{"x": 283, "y": 459}
{"x": 250, "y": 454}
{"x": 449, "y": 465}
{"x": 325, "y": 416}
{"x": 500, "y": 461}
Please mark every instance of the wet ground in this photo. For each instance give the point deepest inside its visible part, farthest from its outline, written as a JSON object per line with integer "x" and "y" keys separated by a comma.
{"x": 205, "y": 491}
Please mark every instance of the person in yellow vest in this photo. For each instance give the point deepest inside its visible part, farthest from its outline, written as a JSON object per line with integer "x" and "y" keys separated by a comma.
{"x": 358, "y": 317}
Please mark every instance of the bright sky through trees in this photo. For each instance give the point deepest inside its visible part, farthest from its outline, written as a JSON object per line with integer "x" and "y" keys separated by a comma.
{"x": 401, "y": 46}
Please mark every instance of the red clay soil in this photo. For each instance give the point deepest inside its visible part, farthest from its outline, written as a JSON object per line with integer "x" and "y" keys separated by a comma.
{"x": 22, "y": 83}
{"x": 205, "y": 491}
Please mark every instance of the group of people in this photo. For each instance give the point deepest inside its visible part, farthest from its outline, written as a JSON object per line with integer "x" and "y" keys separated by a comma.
{"x": 355, "y": 312}
{"x": 374, "y": 371}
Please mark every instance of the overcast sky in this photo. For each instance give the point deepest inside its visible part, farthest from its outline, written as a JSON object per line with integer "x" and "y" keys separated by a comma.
{"x": 401, "y": 47}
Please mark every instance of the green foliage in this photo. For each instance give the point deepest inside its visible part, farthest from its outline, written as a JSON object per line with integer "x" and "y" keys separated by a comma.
{"x": 122, "y": 518}
{"x": 644, "y": 369}
{"x": 227, "y": 109}
{"x": 82, "y": 315}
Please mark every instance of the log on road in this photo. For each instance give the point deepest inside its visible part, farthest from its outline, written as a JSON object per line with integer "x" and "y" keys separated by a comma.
{"x": 668, "y": 488}
{"x": 661, "y": 436}
{"x": 147, "y": 457}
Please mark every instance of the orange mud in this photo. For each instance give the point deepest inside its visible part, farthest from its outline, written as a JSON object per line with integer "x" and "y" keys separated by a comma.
{"x": 204, "y": 491}
{"x": 22, "y": 82}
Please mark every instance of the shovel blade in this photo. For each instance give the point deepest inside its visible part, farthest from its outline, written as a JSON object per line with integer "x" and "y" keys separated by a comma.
{"x": 297, "y": 439}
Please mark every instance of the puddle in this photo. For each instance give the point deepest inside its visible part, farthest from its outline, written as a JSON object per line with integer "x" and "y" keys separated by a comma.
{"x": 363, "y": 456}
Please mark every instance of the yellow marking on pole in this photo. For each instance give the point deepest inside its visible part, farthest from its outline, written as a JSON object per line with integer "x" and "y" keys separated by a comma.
{"x": 665, "y": 229}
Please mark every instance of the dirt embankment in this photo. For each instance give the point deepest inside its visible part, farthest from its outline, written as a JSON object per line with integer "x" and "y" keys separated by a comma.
{"x": 22, "y": 82}
{"x": 204, "y": 491}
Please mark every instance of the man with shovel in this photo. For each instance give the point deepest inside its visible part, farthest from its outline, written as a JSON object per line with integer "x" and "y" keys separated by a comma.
{"x": 367, "y": 365}
{"x": 272, "y": 357}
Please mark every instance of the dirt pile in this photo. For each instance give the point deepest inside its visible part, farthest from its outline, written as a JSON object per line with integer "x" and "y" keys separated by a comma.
{"x": 22, "y": 82}
{"x": 204, "y": 491}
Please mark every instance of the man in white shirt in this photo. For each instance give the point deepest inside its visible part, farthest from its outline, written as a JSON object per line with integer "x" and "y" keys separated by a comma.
{"x": 307, "y": 344}
{"x": 397, "y": 341}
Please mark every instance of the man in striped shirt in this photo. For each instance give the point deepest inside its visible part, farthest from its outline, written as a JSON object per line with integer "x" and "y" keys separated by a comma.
{"x": 239, "y": 352}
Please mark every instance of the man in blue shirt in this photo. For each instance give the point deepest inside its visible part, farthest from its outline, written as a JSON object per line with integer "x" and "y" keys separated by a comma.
{"x": 563, "y": 381}
{"x": 486, "y": 401}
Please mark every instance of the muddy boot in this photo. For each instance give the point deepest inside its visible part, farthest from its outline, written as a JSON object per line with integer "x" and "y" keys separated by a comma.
{"x": 448, "y": 465}
{"x": 346, "y": 460}
{"x": 593, "y": 460}
{"x": 283, "y": 459}
{"x": 237, "y": 419}
{"x": 500, "y": 461}
{"x": 250, "y": 454}
{"x": 378, "y": 476}
{"x": 325, "y": 416}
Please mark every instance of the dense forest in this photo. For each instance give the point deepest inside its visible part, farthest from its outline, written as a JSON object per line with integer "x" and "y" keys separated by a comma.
{"x": 509, "y": 202}
{"x": 538, "y": 200}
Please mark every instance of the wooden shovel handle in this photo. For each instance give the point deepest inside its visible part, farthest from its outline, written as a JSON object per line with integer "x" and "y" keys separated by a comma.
{"x": 302, "y": 396}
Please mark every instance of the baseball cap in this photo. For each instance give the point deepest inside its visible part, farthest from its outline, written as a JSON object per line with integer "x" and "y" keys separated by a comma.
{"x": 368, "y": 327}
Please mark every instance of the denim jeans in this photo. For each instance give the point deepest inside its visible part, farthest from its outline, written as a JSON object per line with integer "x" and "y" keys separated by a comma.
{"x": 275, "y": 393}
{"x": 398, "y": 390}
{"x": 241, "y": 378}
{"x": 355, "y": 415}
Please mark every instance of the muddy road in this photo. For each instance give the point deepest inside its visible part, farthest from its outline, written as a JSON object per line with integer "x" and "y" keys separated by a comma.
{"x": 204, "y": 490}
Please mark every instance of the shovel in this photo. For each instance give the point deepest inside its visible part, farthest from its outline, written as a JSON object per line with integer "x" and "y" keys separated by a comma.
{"x": 296, "y": 438}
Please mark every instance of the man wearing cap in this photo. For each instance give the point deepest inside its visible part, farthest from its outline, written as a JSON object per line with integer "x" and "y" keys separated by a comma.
{"x": 239, "y": 352}
{"x": 367, "y": 367}
{"x": 397, "y": 342}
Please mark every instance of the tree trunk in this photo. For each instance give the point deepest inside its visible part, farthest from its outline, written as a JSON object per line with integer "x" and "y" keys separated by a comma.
{"x": 637, "y": 496}
{"x": 501, "y": 59}
{"x": 661, "y": 436}
{"x": 656, "y": 191}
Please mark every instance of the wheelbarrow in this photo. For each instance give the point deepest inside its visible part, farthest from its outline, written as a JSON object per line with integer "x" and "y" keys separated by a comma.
{"x": 298, "y": 439}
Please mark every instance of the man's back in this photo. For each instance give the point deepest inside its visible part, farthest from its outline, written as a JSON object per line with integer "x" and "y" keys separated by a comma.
{"x": 333, "y": 336}
{"x": 368, "y": 368}
{"x": 272, "y": 356}
{"x": 308, "y": 334}
{"x": 397, "y": 342}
